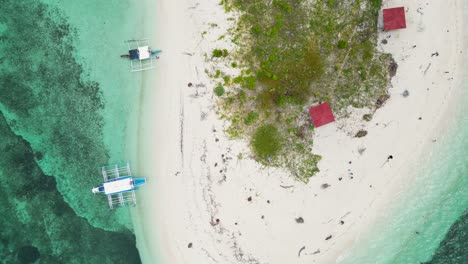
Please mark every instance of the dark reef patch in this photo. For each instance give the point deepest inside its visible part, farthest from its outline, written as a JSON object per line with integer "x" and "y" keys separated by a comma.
{"x": 38, "y": 223}
{"x": 28, "y": 254}
{"x": 45, "y": 100}
{"x": 51, "y": 145}
{"x": 454, "y": 248}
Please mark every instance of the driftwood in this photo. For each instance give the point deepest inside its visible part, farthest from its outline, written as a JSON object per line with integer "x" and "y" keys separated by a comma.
{"x": 300, "y": 250}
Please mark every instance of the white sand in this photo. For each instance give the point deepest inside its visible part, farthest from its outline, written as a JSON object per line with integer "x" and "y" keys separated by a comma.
{"x": 178, "y": 148}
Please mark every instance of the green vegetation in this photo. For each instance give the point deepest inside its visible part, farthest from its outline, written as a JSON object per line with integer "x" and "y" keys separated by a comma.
{"x": 219, "y": 91}
{"x": 267, "y": 142}
{"x": 217, "y": 53}
{"x": 299, "y": 53}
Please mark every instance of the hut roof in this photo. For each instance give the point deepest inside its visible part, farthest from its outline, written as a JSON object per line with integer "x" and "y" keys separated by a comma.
{"x": 321, "y": 114}
{"x": 394, "y": 18}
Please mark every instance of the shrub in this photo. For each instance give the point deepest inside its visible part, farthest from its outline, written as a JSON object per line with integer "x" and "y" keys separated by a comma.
{"x": 219, "y": 91}
{"x": 251, "y": 117}
{"x": 249, "y": 82}
{"x": 342, "y": 44}
{"x": 217, "y": 53}
{"x": 266, "y": 142}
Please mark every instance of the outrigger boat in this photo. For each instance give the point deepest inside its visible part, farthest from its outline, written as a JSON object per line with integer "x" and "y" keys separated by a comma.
{"x": 141, "y": 55}
{"x": 119, "y": 185}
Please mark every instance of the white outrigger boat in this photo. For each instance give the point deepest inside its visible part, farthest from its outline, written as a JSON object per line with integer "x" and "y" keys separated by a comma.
{"x": 141, "y": 56}
{"x": 119, "y": 185}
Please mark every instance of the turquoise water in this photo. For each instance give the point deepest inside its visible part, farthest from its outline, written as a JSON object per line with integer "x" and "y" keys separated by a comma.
{"x": 67, "y": 106}
{"x": 429, "y": 222}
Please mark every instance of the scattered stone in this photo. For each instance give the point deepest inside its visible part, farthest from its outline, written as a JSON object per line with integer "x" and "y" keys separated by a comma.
{"x": 361, "y": 133}
{"x": 420, "y": 118}
{"x": 390, "y": 157}
{"x": 325, "y": 185}
{"x": 351, "y": 177}
{"x": 263, "y": 217}
{"x": 217, "y": 139}
{"x": 349, "y": 162}
{"x": 316, "y": 251}
{"x": 367, "y": 117}
{"x": 189, "y": 245}
{"x": 268, "y": 201}
{"x": 384, "y": 41}
{"x": 341, "y": 222}
{"x": 370, "y": 186}
{"x": 300, "y": 220}
{"x": 216, "y": 164}
{"x": 340, "y": 178}
{"x": 235, "y": 223}
{"x": 435, "y": 54}
{"x": 405, "y": 93}
{"x": 189, "y": 84}
{"x": 249, "y": 199}
{"x": 328, "y": 237}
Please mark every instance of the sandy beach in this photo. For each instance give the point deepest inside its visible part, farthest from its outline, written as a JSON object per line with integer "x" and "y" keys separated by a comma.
{"x": 208, "y": 201}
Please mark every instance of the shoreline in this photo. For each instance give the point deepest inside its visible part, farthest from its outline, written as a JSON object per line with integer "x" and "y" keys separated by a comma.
{"x": 187, "y": 192}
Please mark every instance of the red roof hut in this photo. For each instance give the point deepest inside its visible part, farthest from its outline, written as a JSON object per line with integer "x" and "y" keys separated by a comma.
{"x": 321, "y": 114}
{"x": 394, "y": 18}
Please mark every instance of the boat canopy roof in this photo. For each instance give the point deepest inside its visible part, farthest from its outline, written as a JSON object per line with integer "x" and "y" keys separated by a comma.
{"x": 144, "y": 52}
{"x": 118, "y": 185}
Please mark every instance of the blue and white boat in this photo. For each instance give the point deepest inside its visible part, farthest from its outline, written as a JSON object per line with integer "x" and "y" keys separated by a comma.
{"x": 119, "y": 185}
{"x": 141, "y": 56}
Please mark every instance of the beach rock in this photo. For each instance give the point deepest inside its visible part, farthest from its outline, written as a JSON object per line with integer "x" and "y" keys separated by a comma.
{"x": 392, "y": 68}
{"x": 381, "y": 101}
